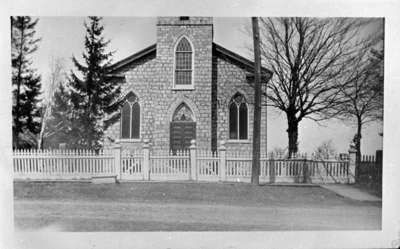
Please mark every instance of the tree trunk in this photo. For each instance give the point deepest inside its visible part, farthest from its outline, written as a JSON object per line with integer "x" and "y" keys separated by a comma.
{"x": 358, "y": 147}
{"x": 42, "y": 127}
{"x": 293, "y": 126}
{"x": 40, "y": 142}
{"x": 257, "y": 104}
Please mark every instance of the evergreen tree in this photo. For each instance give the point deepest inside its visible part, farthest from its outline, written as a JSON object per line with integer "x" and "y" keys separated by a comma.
{"x": 26, "y": 83}
{"x": 94, "y": 97}
{"x": 60, "y": 124}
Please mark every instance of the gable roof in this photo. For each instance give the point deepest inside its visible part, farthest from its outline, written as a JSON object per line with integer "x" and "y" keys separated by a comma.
{"x": 132, "y": 58}
{"x": 219, "y": 50}
{"x": 242, "y": 61}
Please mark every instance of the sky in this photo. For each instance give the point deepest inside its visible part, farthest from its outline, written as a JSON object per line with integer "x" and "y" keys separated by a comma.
{"x": 63, "y": 37}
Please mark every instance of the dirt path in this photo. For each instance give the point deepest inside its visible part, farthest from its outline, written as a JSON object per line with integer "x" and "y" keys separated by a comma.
{"x": 81, "y": 215}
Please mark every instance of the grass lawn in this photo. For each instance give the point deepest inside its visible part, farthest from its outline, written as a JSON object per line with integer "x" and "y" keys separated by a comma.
{"x": 155, "y": 206}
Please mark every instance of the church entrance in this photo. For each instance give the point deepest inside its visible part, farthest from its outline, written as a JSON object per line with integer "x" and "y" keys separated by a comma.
{"x": 182, "y": 128}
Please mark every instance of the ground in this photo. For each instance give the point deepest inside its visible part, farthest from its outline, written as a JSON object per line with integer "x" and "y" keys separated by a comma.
{"x": 144, "y": 206}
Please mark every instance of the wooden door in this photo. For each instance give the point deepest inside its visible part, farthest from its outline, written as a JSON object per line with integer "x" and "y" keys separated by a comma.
{"x": 181, "y": 133}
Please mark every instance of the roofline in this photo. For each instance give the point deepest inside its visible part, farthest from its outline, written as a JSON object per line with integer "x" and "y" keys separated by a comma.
{"x": 218, "y": 48}
{"x": 117, "y": 65}
{"x": 232, "y": 55}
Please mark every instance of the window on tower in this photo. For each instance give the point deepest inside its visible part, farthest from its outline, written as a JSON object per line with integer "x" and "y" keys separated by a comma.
{"x": 183, "y": 64}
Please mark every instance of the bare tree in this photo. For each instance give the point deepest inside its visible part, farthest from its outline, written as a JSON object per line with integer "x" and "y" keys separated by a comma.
{"x": 363, "y": 93}
{"x": 325, "y": 150}
{"x": 56, "y": 77}
{"x": 307, "y": 57}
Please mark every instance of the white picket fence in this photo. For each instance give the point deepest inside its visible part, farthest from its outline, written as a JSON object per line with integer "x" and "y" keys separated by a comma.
{"x": 194, "y": 164}
{"x": 168, "y": 165}
{"x": 62, "y": 164}
{"x": 298, "y": 169}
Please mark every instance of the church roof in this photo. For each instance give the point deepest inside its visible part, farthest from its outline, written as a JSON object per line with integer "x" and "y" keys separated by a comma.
{"x": 240, "y": 60}
{"x": 132, "y": 58}
{"x": 217, "y": 49}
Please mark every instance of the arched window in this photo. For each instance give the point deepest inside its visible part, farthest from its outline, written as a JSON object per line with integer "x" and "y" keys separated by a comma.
{"x": 130, "y": 117}
{"x": 238, "y": 117}
{"x": 183, "y": 63}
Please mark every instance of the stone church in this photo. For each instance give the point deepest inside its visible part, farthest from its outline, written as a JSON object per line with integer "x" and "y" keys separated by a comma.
{"x": 186, "y": 87}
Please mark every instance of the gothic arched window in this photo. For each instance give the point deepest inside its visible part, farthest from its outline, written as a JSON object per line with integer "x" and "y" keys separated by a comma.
{"x": 183, "y": 63}
{"x": 130, "y": 117}
{"x": 238, "y": 117}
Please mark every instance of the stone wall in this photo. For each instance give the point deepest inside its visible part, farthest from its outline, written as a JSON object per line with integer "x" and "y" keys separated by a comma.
{"x": 138, "y": 79}
{"x": 231, "y": 78}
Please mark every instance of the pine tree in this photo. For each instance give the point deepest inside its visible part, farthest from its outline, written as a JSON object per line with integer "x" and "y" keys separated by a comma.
{"x": 94, "y": 96}
{"x": 26, "y": 83}
{"x": 60, "y": 124}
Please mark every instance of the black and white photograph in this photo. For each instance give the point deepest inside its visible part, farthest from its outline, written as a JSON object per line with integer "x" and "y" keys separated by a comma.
{"x": 199, "y": 123}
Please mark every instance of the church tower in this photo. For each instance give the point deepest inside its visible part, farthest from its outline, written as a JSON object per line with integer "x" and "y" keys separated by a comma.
{"x": 184, "y": 71}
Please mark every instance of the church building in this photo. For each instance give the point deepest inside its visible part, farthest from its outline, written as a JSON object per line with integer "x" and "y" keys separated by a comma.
{"x": 186, "y": 87}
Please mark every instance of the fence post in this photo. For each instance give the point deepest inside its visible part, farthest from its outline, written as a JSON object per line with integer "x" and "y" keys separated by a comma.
{"x": 146, "y": 160}
{"x": 352, "y": 165}
{"x": 306, "y": 170}
{"x": 193, "y": 161}
{"x": 272, "y": 168}
{"x": 117, "y": 160}
{"x": 222, "y": 161}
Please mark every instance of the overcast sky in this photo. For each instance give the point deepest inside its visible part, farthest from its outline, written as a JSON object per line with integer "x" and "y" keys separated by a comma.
{"x": 63, "y": 37}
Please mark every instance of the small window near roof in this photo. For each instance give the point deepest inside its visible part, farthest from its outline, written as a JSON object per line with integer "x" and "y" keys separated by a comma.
{"x": 184, "y": 18}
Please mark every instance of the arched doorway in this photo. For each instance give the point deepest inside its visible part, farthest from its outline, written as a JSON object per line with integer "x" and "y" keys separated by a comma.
{"x": 182, "y": 128}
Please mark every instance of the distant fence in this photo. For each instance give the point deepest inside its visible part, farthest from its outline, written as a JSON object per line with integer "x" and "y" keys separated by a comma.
{"x": 370, "y": 168}
{"x": 194, "y": 164}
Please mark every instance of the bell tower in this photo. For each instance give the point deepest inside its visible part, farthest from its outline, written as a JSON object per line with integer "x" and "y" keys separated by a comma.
{"x": 184, "y": 71}
{"x": 198, "y": 34}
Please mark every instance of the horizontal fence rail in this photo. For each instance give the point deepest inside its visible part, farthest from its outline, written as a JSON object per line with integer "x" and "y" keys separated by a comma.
{"x": 193, "y": 164}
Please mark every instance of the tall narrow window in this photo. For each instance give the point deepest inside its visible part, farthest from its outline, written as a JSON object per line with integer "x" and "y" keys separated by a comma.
{"x": 238, "y": 118}
{"x": 183, "y": 63}
{"x": 130, "y": 118}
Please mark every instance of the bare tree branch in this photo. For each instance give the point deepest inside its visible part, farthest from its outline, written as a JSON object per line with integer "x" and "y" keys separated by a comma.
{"x": 310, "y": 59}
